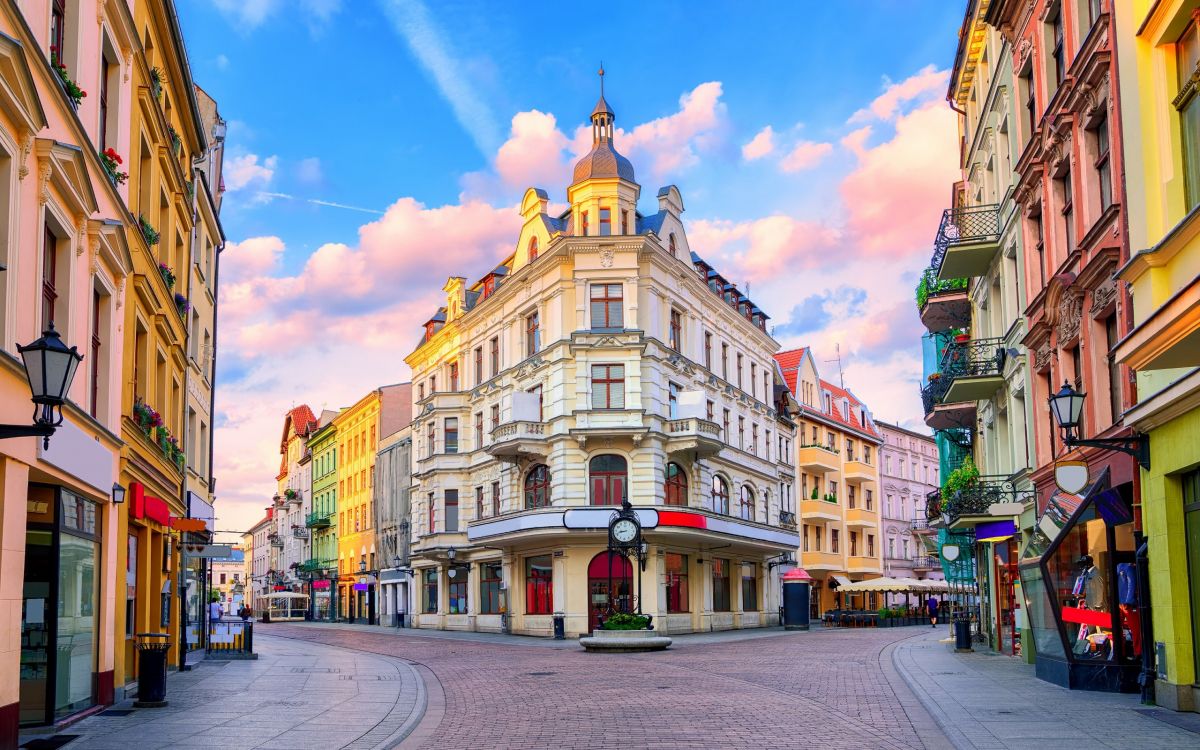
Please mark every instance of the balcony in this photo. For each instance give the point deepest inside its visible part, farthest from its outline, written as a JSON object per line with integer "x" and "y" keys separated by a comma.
{"x": 863, "y": 565}
{"x": 315, "y": 566}
{"x": 821, "y": 561}
{"x": 512, "y": 440}
{"x": 942, "y": 304}
{"x": 926, "y": 563}
{"x": 974, "y": 368}
{"x": 695, "y": 436}
{"x": 317, "y": 521}
{"x": 857, "y": 471}
{"x": 970, "y": 505}
{"x": 921, "y": 526}
{"x": 293, "y": 496}
{"x": 968, "y": 239}
{"x": 861, "y": 518}
{"x": 945, "y": 416}
{"x": 275, "y": 540}
{"x": 818, "y": 459}
{"x": 820, "y": 510}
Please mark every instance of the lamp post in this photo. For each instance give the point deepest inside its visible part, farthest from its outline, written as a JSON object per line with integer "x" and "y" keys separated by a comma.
{"x": 1067, "y": 408}
{"x": 49, "y": 367}
{"x": 364, "y": 571}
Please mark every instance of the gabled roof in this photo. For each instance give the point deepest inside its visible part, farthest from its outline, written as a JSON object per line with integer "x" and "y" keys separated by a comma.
{"x": 839, "y": 393}
{"x": 789, "y": 362}
{"x": 300, "y": 418}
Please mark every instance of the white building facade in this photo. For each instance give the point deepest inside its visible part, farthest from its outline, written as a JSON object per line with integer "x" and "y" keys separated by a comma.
{"x": 601, "y": 361}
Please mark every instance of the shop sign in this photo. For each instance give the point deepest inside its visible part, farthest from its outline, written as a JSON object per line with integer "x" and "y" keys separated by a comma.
{"x": 1071, "y": 474}
{"x": 210, "y": 551}
{"x": 362, "y": 587}
{"x": 157, "y": 510}
{"x": 188, "y": 524}
{"x": 320, "y": 584}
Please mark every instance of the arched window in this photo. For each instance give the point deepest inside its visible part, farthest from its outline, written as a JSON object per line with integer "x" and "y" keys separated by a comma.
{"x": 720, "y": 495}
{"x": 676, "y": 485}
{"x": 533, "y": 249}
{"x": 671, "y": 243}
{"x": 537, "y": 487}
{"x": 746, "y": 504}
{"x": 607, "y": 476}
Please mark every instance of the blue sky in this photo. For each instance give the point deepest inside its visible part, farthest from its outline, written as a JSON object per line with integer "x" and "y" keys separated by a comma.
{"x": 440, "y": 115}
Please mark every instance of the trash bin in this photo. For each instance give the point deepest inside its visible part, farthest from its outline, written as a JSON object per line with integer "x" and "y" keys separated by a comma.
{"x": 962, "y": 633}
{"x": 794, "y": 614}
{"x": 152, "y": 669}
{"x": 560, "y": 626}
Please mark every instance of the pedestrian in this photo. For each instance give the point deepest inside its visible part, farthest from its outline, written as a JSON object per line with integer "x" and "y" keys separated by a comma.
{"x": 933, "y": 605}
{"x": 214, "y": 611}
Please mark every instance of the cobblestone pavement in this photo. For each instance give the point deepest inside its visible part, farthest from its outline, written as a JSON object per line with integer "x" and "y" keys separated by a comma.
{"x": 987, "y": 701}
{"x": 825, "y": 689}
{"x": 295, "y": 696}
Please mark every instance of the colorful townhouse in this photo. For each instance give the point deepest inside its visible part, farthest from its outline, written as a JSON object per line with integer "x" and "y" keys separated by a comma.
{"x": 1158, "y": 58}
{"x": 320, "y": 569}
{"x": 837, "y": 450}
{"x": 908, "y": 472}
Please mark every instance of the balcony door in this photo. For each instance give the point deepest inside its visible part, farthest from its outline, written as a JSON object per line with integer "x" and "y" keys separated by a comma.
{"x": 608, "y": 478}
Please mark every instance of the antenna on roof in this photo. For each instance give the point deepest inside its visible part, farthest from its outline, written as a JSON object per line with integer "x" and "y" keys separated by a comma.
{"x": 841, "y": 378}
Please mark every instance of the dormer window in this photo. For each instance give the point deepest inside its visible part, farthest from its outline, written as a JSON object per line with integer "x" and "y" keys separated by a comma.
{"x": 605, "y": 222}
{"x": 533, "y": 249}
{"x": 671, "y": 243}
{"x": 489, "y": 286}
{"x": 429, "y": 330}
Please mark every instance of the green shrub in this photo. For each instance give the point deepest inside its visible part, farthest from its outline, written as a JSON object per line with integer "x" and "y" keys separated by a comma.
{"x": 623, "y": 621}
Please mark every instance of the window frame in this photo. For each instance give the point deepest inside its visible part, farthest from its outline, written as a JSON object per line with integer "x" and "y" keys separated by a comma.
{"x": 612, "y": 307}
{"x": 607, "y": 375}
{"x": 539, "y": 585}
{"x": 536, "y": 487}
{"x": 719, "y": 494}
{"x": 675, "y": 485}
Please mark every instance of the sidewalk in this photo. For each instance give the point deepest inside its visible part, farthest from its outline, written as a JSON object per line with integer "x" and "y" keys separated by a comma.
{"x": 985, "y": 700}
{"x": 295, "y": 695}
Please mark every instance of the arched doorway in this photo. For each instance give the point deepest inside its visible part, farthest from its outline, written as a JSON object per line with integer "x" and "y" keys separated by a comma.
{"x": 605, "y": 567}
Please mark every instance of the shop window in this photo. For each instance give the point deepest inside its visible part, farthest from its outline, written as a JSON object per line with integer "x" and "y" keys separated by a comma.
{"x": 720, "y": 584}
{"x": 607, "y": 475}
{"x": 429, "y": 590}
{"x": 490, "y": 575}
{"x": 456, "y": 590}
{"x": 675, "y": 488}
{"x": 676, "y": 582}
{"x": 720, "y": 495}
{"x": 537, "y": 487}
{"x": 539, "y": 587}
{"x": 749, "y": 587}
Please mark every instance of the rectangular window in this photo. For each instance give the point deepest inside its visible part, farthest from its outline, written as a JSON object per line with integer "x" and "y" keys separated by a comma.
{"x": 1114, "y": 369}
{"x": 819, "y": 537}
{"x": 725, "y": 425}
{"x": 494, "y": 355}
{"x": 94, "y": 395}
{"x": 608, "y": 310}
{"x": 804, "y": 537}
{"x": 537, "y": 391}
{"x": 451, "y": 501}
{"x": 456, "y": 589}
{"x": 432, "y": 514}
{"x": 725, "y": 362}
{"x": 605, "y": 222}
{"x": 478, "y": 365}
{"x": 1187, "y": 102}
{"x": 608, "y": 386}
{"x": 720, "y": 585}
{"x": 429, "y": 587}
{"x": 1103, "y": 163}
{"x": 749, "y": 587}
{"x": 709, "y": 408}
{"x": 1068, "y": 213}
{"x": 753, "y": 378}
{"x": 673, "y": 400}
{"x": 754, "y": 439}
{"x": 478, "y": 430}
{"x": 739, "y": 370}
{"x": 430, "y": 439}
{"x": 1058, "y": 51}
{"x": 495, "y": 498}
{"x": 451, "y": 432}
{"x": 677, "y": 582}
{"x": 676, "y": 333}
{"x": 489, "y": 587}
{"x": 854, "y": 544}
{"x": 742, "y": 432}
{"x": 833, "y": 541}
{"x": 767, "y": 445}
{"x": 533, "y": 335}
{"x": 539, "y": 588}
{"x": 49, "y": 276}
{"x": 708, "y": 351}
{"x": 479, "y": 502}
{"x": 453, "y": 376}
{"x": 1031, "y": 114}
{"x": 58, "y": 29}
{"x": 870, "y": 545}
{"x": 583, "y": 215}
{"x": 1190, "y": 485}
{"x": 870, "y": 500}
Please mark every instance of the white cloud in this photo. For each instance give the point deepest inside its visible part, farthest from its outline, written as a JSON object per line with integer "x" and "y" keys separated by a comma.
{"x": 927, "y": 82}
{"x": 760, "y": 145}
{"x": 805, "y": 155}
{"x": 245, "y": 171}
{"x": 413, "y": 21}
{"x": 308, "y": 171}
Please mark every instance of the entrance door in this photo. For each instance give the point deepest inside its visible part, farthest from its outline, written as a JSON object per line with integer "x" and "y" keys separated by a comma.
{"x": 604, "y": 568}
{"x": 1006, "y": 600}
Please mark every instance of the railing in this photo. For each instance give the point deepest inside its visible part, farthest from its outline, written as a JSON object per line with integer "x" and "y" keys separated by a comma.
{"x": 978, "y": 497}
{"x": 927, "y": 562}
{"x": 933, "y": 506}
{"x": 827, "y": 448}
{"x": 313, "y": 565}
{"x": 964, "y": 225}
{"x": 930, "y": 286}
{"x": 231, "y": 639}
{"x": 510, "y": 430}
{"x": 934, "y": 390}
{"x": 317, "y": 521}
{"x": 918, "y": 524}
{"x": 275, "y": 540}
{"x": 787, "y": 519}
{"x": 694, "y": 425}
{"x": 973, "y": 358}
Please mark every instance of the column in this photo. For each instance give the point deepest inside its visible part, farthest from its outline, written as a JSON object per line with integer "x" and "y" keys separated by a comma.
{"x": 14, "y": 481}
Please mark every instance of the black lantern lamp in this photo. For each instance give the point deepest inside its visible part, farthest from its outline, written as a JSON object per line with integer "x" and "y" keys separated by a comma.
{"x": 118, "y": 493}
{"x": 50, "y": 367}
{"x": 1067, "y": 408}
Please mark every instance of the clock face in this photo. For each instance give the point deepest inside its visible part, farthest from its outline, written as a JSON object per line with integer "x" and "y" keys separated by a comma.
{"x": 624, "y": 530}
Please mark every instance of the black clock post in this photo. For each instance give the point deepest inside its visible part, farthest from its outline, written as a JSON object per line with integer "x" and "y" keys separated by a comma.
{"x": 625, "y": 539}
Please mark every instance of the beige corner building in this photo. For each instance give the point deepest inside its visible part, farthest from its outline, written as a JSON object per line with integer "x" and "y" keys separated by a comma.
{"x": 601, "y": 360}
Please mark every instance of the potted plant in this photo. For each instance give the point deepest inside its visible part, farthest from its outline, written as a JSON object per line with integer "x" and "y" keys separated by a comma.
{"x": 884, "y": 617}
{"x": 830, "y": 497}
{"x": 934, "y": 377}
{"x": 176, "y": 141}
{"x": 74, "y": 93}
{"x": 111, "y": 160}
{"x": 156, "y": 82}
{"x": 815, "y": 495}
{"x": 624, "y": 621}
{"x": 165, "y": 271}
{"x": 962, "y": 478}
{"x": 149, "y": 233}
{"x": 182, "y": 304}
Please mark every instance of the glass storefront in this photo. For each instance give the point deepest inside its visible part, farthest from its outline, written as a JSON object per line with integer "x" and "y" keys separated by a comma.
{"x": 1191, "y": 522}
{"x": 1079, "y": 582}
{"x": 60, "y": 606}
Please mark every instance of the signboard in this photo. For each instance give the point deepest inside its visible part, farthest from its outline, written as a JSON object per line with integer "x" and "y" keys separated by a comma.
{"x": 189, "y": 524}
{"x": 320, "y": 584}
{"x": 362, "y": 587}
{"x": 210, "y": 551}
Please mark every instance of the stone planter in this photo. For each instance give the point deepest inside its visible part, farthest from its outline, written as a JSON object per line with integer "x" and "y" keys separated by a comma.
{"x": 624, "y": 641}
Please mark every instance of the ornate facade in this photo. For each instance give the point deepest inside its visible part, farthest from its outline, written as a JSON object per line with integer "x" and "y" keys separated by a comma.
{"x": 908, "y": 472}
{"x": 601, "y": 360}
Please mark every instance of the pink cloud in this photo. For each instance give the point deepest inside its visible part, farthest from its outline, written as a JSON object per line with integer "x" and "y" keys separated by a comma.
{"x": 926, "y": 82}
{"x": 760, "y": 249}
{"x": 762, "y": 144}
{"x": 856, "y": 141}
{"x": 533, "y": 153}
{"x": 805, "y": 155}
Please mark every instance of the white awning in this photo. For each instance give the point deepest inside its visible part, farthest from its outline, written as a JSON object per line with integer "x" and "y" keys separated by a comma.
{"x": 841, "y": 579}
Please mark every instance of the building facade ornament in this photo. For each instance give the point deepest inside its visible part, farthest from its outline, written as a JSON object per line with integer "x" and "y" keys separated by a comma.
{"x": 1070, "y": 311}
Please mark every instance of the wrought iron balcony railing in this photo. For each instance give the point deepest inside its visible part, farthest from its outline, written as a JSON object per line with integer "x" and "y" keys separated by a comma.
{"x": 973, "y": 358}
{"x": 933, "y": 506}
{"x": 926, "y": 562}
{"x": 971, "y": 223}
{"x": 971, "y": 501}
{"x": 275, "y": 540}
{"x": 317, "y": 520}
{"x": 934, "y": 390}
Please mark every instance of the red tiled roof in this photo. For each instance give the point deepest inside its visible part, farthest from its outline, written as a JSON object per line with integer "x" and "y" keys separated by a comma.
{"x": 789, "y": 362}
{"x": 840, "y": 393}
{"x": 301, "y": 417}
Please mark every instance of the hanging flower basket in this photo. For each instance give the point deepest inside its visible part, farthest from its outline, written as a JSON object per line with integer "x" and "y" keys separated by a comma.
{"x": 111, "y": 161}
{"x": 149, "y": 233}
{"x": 182, "y": 304}
{"x": 167, "y": 275}
{"x": 156, "y": 82}
{"x": 74, "y": 93}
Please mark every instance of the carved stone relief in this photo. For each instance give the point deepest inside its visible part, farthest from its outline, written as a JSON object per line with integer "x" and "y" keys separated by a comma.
{"x": 606, "y": 257}
{"x": 1102, "y": 296}
{"x": 1070, "y": 310}
{"x": 1041, "y": 358}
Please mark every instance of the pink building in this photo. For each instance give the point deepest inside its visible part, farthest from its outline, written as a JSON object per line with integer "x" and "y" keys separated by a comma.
{"x": 908, "y": 472}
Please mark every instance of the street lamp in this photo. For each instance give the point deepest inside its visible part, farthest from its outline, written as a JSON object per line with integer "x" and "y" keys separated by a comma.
{"x": 49, "y": 367}
{"x": 1067, "y": 408}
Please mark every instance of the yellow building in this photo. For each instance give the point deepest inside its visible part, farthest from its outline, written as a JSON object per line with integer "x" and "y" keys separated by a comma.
{"x": 837, "y": 462}
{"x": 1158, "y": 46}
{"x": 159, "y": 404}
{"x": 359, "y": 427}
